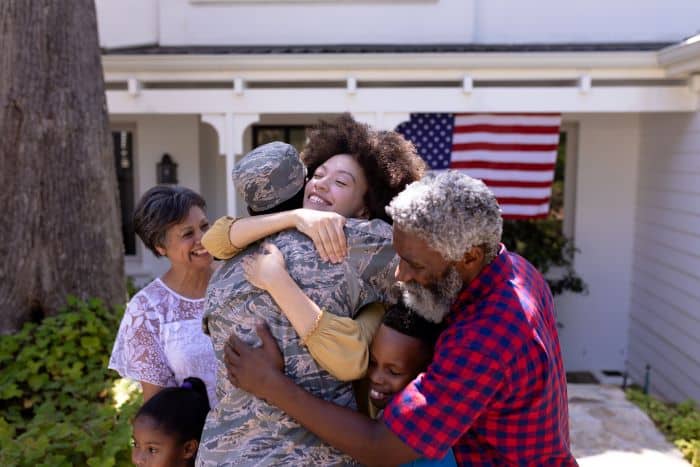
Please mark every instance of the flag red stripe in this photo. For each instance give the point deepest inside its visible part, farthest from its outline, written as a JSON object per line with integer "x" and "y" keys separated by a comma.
{"x": 520, "y": 129}
{"x": 523, "y": 201}
{"x": 516, "y": 184}
{"x": 502, "y": 147}
{"x": 500, "y": 165}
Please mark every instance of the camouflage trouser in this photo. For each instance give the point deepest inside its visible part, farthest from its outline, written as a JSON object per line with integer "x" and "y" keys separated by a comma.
{"x": 269, "y": 437}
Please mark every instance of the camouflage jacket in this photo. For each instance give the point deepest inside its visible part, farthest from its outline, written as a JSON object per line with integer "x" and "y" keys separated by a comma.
{"x": 244, "y": 430}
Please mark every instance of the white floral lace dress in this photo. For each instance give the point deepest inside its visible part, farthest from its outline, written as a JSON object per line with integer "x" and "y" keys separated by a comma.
{"x": 160, "y": 340}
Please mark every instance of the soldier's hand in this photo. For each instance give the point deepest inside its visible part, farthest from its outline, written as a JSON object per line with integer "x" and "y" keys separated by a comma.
{"x": 326, "y": 231}
{"x": 263, "y": 269}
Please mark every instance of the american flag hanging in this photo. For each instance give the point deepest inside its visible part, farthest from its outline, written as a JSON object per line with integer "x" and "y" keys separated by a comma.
{"x": 514, "y": 154}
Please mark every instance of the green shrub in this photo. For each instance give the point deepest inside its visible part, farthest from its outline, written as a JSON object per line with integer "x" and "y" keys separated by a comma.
{"x": 59, "y": 404}
{"x": 679, "y": 422}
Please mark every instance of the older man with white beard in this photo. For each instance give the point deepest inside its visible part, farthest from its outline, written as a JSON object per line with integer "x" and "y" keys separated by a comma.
{"x": 495, "y": 390}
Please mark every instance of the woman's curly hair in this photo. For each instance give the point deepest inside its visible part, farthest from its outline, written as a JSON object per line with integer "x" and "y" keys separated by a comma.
{"x": 388, "y": 160}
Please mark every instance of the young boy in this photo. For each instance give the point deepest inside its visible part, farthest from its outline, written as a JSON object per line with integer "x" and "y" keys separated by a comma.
{"x": 401, "y": 349}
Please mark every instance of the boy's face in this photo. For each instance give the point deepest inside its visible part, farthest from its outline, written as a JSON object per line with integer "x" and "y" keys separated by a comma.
{"x": 395, "y": 359}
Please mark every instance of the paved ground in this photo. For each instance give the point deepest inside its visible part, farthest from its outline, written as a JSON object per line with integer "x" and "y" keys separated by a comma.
{"x": 609, "y": 431}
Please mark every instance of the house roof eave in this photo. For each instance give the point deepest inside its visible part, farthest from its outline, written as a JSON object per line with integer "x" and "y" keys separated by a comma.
{"x": 682, "y": 59}
{"x": 634, "y": 61}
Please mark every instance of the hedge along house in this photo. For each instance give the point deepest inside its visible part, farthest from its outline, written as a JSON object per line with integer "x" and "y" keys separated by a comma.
{"x": 205, "y": 81}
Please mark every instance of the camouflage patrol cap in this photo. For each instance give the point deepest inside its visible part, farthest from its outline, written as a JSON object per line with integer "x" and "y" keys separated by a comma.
{"x": 269, "y": 175}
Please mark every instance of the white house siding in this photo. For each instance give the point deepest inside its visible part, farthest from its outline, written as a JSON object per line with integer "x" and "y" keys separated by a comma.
{"x": 124, "y": 23}
{"x": 236, "y": 22}
{"x": 665, "y": 307}
{"x": 551, "y": 21}
{"x": 594, "y": 332}
{"x": 177, "y": 135}
{"x": 315, "y": 22}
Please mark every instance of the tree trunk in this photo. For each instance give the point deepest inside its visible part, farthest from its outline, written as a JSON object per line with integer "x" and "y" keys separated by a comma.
{"x": 60, "y": 229}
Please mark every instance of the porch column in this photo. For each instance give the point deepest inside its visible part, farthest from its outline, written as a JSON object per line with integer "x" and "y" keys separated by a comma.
{"x": 236, "y": 126}
{"x": 230, "y": 128}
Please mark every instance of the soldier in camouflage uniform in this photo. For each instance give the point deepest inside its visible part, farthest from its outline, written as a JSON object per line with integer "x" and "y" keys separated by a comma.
{"x": 245, "y": 430}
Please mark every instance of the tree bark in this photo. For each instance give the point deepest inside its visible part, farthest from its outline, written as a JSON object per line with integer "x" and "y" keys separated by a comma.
{"x": 60, "y": 229}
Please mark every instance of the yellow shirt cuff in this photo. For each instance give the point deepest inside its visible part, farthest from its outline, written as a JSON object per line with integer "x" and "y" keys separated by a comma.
{"x": 216, "y": 240}
{"x": 341, "y": 345}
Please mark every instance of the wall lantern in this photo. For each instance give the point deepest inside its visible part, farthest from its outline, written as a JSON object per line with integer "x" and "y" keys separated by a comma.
{"x": 166, "y": 170}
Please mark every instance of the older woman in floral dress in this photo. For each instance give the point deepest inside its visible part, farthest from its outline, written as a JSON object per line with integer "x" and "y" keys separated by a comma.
{"x": 160, "y": 340}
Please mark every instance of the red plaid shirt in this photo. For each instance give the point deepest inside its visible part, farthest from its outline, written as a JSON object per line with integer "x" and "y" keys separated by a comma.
{"x": 496, "y": 390}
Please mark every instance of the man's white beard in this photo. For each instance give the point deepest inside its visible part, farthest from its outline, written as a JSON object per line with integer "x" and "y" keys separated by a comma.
{"x": 432, "y": 303}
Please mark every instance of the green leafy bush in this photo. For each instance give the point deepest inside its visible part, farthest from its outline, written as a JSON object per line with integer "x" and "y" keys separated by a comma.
{"x": 679, "y": 422}
{"x": 59, "y": 404}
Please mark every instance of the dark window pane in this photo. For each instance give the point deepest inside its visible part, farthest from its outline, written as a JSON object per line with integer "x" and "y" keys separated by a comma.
{"x": 124, "y": 164}
{"x": 557, "y": 200}
{"x": 297, "y": 137}
{"x": 267, "y": 135}
{"x": 292, "y": 134}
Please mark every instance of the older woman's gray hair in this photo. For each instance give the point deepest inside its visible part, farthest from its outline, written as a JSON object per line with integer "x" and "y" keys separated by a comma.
{"x": 452, "y": 212}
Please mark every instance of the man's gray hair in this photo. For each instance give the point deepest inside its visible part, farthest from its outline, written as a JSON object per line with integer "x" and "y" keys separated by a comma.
{"x": 452, "y": 212}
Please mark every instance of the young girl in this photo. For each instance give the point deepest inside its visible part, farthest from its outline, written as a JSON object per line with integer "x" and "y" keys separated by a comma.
{"x": 168, "y": 426}
{"x": 400, "y": 351}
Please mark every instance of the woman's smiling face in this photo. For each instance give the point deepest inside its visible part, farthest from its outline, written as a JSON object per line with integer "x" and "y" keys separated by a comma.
{"x": 338, "y": 185}
{"x": 182, "y": 243}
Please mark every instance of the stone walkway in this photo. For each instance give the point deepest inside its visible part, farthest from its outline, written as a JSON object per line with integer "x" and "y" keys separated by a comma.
{"x": 609, "y": 431}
